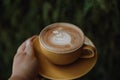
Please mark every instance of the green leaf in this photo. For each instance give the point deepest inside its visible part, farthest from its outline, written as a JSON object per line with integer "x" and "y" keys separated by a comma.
{"x": 88, "y": 4}
{"x": 79, "y": 17}
{"x": 55, "y": 15}
{"x": 46, "y": 9}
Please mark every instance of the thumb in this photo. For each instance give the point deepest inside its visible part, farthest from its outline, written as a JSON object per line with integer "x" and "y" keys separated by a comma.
{"x": 29, "y": 48}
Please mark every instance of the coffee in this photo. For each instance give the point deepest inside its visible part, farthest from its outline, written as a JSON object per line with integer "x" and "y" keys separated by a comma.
{"x": 62, "y": 44}
{"x": 61, "y": 38}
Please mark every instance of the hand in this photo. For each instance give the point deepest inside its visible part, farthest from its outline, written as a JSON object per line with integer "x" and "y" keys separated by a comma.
{"x": 25, "y": 65}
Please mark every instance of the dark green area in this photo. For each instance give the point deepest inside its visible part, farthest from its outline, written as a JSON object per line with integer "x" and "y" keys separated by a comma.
{"x": 99, "y": 19}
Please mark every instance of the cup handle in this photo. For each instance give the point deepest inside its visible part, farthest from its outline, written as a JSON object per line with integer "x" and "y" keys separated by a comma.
{"x": 87, "y": 51}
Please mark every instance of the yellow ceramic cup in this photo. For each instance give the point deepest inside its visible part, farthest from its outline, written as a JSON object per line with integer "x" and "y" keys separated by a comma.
{"x": 84, "y": 51}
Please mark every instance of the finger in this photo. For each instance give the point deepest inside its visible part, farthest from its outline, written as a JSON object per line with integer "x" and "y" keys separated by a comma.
{"x": 29, "y": 46}
{"x": 23, "y": 46}
{"x": 32, "y": 38}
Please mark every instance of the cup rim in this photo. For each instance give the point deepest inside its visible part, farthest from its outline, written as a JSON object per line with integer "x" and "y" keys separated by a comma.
{"x": 62, "y": 23}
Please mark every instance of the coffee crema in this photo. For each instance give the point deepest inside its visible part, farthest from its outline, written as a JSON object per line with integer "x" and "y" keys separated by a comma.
{"x": 61, "y": 38}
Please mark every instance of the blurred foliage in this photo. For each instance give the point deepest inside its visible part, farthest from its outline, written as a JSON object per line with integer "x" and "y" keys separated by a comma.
{"x": 99, "y": 19}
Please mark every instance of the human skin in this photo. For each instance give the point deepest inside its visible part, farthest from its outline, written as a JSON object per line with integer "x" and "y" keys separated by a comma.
{"x": 25, "y": 64}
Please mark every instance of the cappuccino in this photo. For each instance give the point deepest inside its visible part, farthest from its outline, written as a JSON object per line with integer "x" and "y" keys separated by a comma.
{"x": 61, "y": 38}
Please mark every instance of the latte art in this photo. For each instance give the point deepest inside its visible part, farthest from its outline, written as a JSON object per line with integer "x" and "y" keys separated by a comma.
{"x": 61, "y": 38}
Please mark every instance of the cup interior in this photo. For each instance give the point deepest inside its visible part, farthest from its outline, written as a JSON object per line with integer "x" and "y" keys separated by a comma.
{"x": 66, "y": 38}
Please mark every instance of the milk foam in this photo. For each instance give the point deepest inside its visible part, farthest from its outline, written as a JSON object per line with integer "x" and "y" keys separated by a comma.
{"x": 60, "y": 38}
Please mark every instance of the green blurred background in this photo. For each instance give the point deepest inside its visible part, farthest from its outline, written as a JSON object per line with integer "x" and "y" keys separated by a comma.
{"x": 99, "y": 19}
